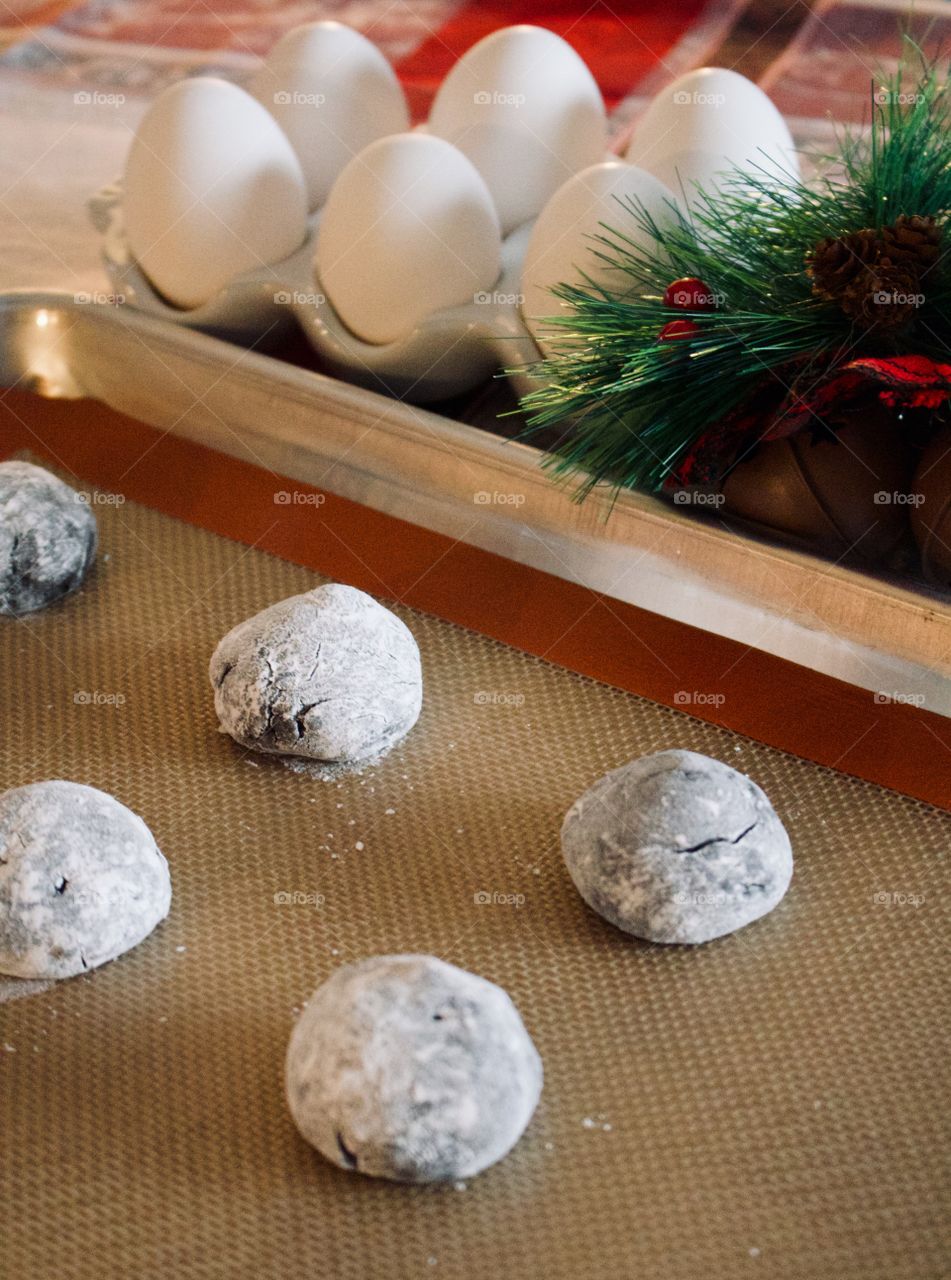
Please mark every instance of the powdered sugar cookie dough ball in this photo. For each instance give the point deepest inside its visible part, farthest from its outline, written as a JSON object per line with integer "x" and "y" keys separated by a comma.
{"x": 408, "y": 1068}
{"x": 81, "y": 880}
{"x": 677, "y": 847}
{"x": 47, "y": 538}
{"x": 330, "y": 675}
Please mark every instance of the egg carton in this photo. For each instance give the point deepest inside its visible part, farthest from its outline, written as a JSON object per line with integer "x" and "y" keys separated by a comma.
{"x": 452, "y": 351}
{"x": 455, "y": 348}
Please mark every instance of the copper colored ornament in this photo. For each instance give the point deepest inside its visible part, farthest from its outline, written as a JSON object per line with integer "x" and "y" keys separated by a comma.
{"x": 931, "y": 512}
{"x": 826, "y": 495}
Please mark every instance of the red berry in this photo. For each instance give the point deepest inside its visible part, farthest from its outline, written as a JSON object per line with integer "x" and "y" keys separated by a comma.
{"x": 678, "y": 329}
{"x": 690, "y": 294}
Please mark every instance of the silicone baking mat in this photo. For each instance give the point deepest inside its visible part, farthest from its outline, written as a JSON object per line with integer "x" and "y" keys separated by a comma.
{"x": 771, "y": 1104}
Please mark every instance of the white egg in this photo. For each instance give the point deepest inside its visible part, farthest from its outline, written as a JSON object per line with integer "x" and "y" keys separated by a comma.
{"x": 561, "y": 249}
{"x": 409, "y": 228}
{"x": 706, "y": 123}
{"x": 333, "y": 93}
{"x": 212, "y": 188}
{"x": 526, "y": 111}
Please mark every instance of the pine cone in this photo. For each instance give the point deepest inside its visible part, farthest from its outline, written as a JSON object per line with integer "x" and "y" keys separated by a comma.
{"x": 912, "y": 241}
{"x": 837, "y": 264}
{"x": 876, "y": 277}
{"x": 885, "y": 297}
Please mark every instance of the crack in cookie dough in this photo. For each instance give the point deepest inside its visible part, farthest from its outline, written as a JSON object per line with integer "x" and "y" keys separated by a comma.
{"x": 715, "y": 840}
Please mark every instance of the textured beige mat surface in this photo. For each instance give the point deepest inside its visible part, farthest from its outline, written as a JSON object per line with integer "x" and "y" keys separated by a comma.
{"x": 770, "y": 1105}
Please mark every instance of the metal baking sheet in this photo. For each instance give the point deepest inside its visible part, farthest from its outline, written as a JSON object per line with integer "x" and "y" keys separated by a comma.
{"x": 771, "y": 1104}
{"x": 475, "y": 486}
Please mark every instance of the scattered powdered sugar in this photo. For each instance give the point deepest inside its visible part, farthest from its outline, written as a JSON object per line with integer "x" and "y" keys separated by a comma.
{"x": 323, "y": 771}
{"x": 596, "y": 1122}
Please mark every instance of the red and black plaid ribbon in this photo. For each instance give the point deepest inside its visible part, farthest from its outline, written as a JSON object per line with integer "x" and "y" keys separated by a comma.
{"x": 777, "y": 409}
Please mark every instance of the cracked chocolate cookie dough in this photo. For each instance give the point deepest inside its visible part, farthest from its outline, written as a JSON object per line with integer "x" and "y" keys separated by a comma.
{"x": 676, "y": 847}
{"x": 47, "y": 538}
{"x": 408, "y": 1068}
{"x": 330, "y": 675}
{"x": 81, "y": 880}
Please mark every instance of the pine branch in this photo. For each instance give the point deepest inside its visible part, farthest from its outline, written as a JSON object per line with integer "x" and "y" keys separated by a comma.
{"x": 630, "y": 404}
